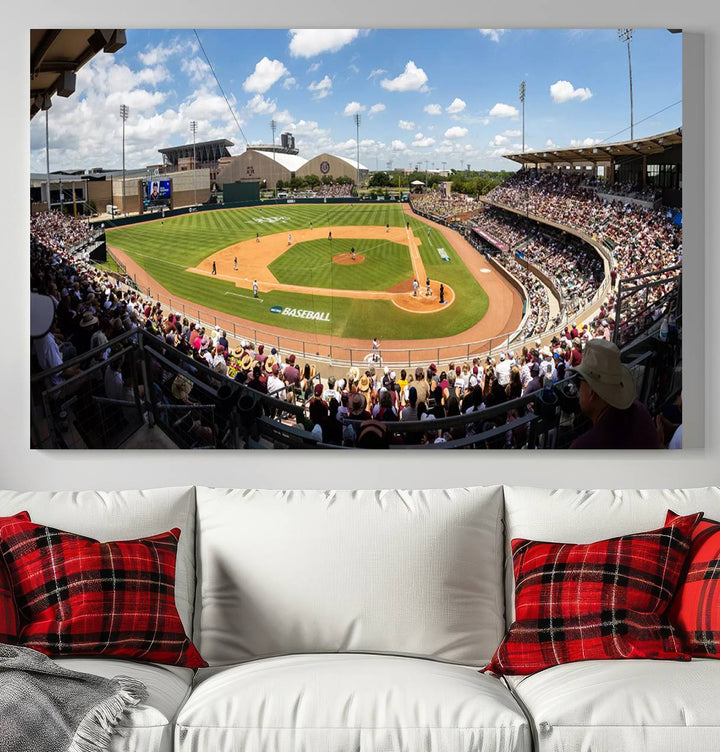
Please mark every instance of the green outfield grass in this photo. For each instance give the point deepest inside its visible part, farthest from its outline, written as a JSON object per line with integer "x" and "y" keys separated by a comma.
{"x": 166, "y": 249}
{"x": 311, "y": 264}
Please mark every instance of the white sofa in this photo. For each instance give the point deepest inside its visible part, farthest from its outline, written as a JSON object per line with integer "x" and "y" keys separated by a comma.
{"x": 356, "y": 621}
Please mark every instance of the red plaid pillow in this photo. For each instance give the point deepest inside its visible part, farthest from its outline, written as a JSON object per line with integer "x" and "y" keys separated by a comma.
{"x": 594, "y": 601}
{"x": 77, "y": 596}
{"x": 8, "y": 612}
{"x": 695, "y": 610}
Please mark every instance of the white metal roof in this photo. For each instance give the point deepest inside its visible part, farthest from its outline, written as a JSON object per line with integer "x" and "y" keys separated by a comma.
{"x": 351, "y": 162}
{"x": 290, "y": 162}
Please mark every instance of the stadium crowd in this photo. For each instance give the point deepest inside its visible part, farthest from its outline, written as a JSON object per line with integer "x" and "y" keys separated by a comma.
{"x": 335, "y": 190}
{"x": 572, "y": 265}
{"x": 640, "y": 240}
{"x": 438, "y": 205}
{"x": 93, "y": 307}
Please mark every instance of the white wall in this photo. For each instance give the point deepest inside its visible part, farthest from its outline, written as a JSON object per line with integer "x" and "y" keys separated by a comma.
{"x": 22, "y": 468}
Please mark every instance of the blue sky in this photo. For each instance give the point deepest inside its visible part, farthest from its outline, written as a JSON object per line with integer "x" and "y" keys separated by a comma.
{"x": 423, "y": 95}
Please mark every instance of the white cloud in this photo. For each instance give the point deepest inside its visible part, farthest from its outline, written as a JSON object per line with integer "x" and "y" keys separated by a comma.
{"x": 352, "y": 108}
{"x": 283, "y": 117}
{"x": 406, "y": 125}
{"x": 196, "y": 69}
{"x": 500, "y": 140}
{"x": 258, "y": 105}
{"x": 433, "y": 109}
{"x": 321, "y": 88}
{"x": 354, "y": 68}
{"x": 344, "y": 145}
{"x": 314, "y": 67}
{"x": 512, "y": 133}
{"x": 550, "y": 144}
{"x": 494, "y": 34}
{"x": 376, "y": 72}
{"x": 159, "y": 54}
{"x": 564, "y": 91}
{"x": 311, "y": 42}
{"x": 457, "y": 105}
{"x": 379, "y": 107}
{"x": 456, "y": 132}
{"x": 411, "y": 79}
{"x": 504, "y": 110}
{"x": 500, "y": 152}
{"x": 398, "y": 145}
{"x": 153, "y": 76}
{"x": 584, "y": 142}
{"x": 267, "y": 72}
{"x": 422, "y": 142}
{"x": 289, "y": 83}
{"x": 86, "y": 128}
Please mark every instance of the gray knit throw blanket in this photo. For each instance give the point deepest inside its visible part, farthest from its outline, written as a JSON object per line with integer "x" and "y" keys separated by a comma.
{"x": 44, "y": 707}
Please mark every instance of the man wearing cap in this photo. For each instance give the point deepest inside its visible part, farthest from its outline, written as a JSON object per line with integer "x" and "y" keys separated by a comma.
{"x": 331, "y": 392}
{"x": 291, "y": 373}
{"x": 502, "y": 370}
{"x": 260, "y": 356}
{"x": 275, "y": 385}
{"x": 535, "y": 384}
{"x": 576, "y": 352}
{"x": 607, "y": 398}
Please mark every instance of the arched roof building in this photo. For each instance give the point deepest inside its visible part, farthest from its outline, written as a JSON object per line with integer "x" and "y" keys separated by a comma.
{"x": 268, "y": 167}
{"x": 334, "y": 166}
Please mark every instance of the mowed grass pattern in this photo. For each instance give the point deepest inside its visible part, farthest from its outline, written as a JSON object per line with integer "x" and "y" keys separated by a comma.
{"x": 311, "y": 264}
{"x": 166, "y": 249}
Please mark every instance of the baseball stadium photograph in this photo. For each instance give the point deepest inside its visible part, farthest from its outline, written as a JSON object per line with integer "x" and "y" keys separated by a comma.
{"x": 350, "y": 239}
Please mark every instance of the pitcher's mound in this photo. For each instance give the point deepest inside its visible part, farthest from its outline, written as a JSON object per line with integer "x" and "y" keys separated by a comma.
{"x": 345, "y": 259}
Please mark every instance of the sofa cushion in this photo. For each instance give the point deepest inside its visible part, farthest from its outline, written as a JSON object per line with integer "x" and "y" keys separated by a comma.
{"x": 150, "y": 726}
{"x": 607, "y": 706}
{"x": 9, "y": 623}
{"x": 599, "y": 600}
{"x": 338, "y": 703}
{"x": 695, "y": 610}
{"x": 401, "y": 572}
{"x": 121, "y": 515}
{"x": 572, "y": 516}
{"x": 76, "y": 596}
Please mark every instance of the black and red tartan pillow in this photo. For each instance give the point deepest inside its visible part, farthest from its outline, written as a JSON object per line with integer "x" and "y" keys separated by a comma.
{"x": 695, "y": 610}
{"x": 77, "y": 596}
{"x": 594, "y": 601}
{"x": 8, "y": 612}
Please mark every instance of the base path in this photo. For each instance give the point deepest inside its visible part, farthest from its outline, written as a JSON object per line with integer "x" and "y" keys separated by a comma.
{"x": 504, "y": 312}
{"x": 253, "y": 258}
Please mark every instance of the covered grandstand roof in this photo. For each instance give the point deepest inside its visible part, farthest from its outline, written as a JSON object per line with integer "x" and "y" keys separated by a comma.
{"x": 289, "y": 161}
{"x": 602, "y": 152}
{"x": 57, "y": 54}
{"x": 220, "y": 145}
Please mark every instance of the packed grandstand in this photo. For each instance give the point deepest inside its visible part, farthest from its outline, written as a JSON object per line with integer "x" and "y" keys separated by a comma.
{"x": 135, "y": 356}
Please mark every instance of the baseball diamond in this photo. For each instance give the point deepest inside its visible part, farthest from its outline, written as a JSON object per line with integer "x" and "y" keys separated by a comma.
{"x": 370, "y": 295}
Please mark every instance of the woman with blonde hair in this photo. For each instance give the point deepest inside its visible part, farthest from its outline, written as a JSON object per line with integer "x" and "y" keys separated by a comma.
{"x": 514, "y": 387}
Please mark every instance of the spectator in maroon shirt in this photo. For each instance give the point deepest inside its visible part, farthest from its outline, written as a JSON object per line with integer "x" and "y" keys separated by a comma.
{"x": 607, "y": 398}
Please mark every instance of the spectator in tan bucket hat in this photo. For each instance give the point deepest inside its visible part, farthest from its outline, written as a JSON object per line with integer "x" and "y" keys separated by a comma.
{"x": 607, "y": 398}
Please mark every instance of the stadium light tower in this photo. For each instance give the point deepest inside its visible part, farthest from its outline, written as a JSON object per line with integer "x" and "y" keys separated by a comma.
{"x": 124, "y": 112}
{"x": 522, "y": 99}
{"x": 193, "y": 128}
{"x": 626, "y": 35}
{"x": 357, "y": 144}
